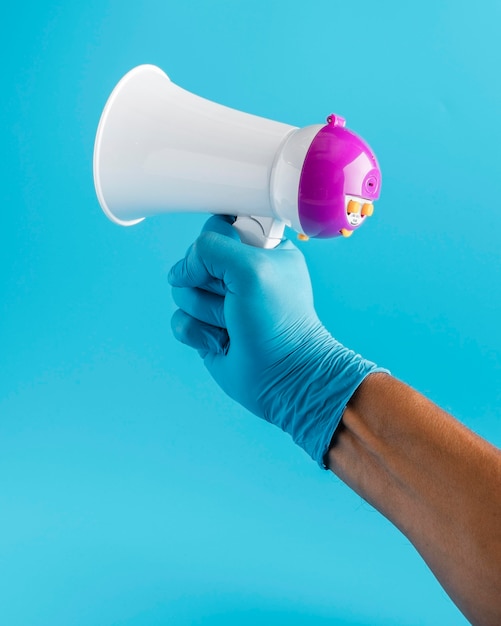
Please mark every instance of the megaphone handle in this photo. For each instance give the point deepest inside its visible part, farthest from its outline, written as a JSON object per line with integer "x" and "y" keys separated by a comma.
{"x": 259, "y": 231}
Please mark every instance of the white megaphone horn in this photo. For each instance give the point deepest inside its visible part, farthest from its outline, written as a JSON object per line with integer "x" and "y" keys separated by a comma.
{"x": 161, "y": 149}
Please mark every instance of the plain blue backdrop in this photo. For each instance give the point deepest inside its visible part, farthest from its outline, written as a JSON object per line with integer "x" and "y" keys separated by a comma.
{"x": 132, "y": 491}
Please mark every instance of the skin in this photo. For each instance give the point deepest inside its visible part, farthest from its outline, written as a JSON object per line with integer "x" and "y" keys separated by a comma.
{"x": 437, "y": 481}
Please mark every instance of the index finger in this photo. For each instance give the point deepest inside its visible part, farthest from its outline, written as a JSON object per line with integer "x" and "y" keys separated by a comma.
{"x": 206, "y": 262}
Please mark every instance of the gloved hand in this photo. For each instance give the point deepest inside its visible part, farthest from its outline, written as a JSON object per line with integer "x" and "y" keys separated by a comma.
{"x": 249, "y": 312}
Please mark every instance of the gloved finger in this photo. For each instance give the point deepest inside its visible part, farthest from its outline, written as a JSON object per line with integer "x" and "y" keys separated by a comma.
{"x": 192, "y": 272}
{"x": 206, "y": 262}
{"x": 203, "y": 337}
{"x": 219, "y": 263}
{"x": 222, "y": 224}
{"x": 203, "y": 305}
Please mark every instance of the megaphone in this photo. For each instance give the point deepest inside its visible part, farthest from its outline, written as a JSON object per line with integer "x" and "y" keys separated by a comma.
{"x": 161, "y": 149}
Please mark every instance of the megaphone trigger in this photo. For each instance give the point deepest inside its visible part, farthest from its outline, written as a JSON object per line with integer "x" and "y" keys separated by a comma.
{"x": 263, "y": 232}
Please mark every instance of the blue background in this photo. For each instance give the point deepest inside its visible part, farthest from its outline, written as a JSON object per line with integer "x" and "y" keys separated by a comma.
{"x": 132, "y": 491}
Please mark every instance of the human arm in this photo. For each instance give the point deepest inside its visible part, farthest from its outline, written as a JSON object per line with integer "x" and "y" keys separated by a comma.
{"x": 438, "y": 482}
{"x": 250, "y": 315}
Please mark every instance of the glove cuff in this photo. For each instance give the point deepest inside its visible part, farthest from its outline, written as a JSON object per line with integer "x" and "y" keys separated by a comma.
{"x": 324, "y": 376}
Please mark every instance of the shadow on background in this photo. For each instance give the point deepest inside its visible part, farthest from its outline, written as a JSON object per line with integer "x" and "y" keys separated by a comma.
{"x": 245, "y": 617}
{"x": 249, "y": 617}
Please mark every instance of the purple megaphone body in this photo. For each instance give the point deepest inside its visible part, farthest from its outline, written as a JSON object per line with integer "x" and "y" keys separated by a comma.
{"x": 339, "y": 182}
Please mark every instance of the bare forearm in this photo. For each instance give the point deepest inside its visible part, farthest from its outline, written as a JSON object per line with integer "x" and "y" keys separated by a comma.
{"x": 438, "y": 482}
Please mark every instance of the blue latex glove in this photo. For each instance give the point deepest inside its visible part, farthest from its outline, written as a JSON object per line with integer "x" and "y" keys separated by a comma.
{"x": 249, "y": 312}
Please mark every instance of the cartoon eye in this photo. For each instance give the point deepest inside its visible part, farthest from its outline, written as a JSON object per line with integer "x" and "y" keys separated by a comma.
{"x": 353, "y": 207}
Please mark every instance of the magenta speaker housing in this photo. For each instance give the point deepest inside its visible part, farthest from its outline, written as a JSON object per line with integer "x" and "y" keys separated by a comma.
{"x": 339, "y": 166}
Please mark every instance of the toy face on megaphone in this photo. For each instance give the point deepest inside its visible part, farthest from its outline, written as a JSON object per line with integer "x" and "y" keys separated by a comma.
{"x": 161, "y": 149}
